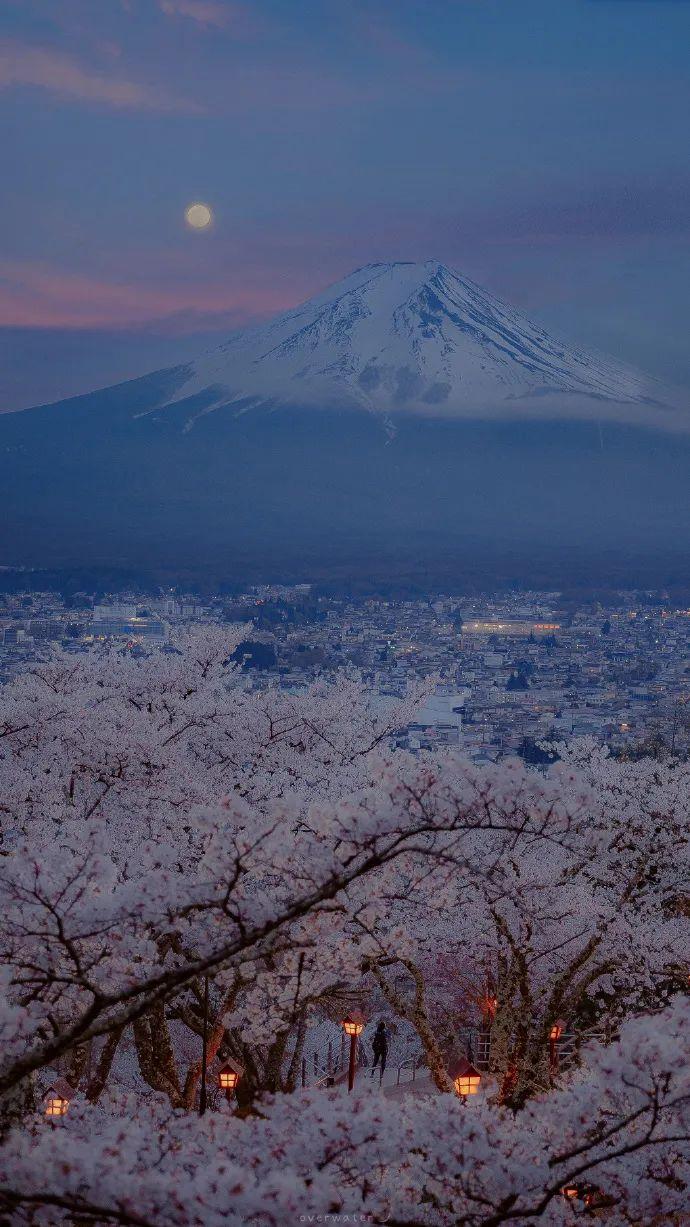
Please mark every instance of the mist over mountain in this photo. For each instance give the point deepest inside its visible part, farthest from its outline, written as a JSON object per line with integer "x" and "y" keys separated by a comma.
{"x": 404, "y": 420}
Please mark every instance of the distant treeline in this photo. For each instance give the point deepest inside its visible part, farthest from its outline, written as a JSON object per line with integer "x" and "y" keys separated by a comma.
{"x": 597, "y": 585}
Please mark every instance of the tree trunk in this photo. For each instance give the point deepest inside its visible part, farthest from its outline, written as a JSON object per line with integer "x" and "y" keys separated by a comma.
{"x": 296, "y": 1061}
{"x": 78, "y": 1061}
{"x": 416, "y": 1014}
{"x": 98, "y": 1080}
{"x": 16, "y": 1104}
{"x": 156, "y": 1056}
{"x": 215, "y": 1038}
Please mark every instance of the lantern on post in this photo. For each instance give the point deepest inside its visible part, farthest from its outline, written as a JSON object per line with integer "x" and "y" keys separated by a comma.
{"x": 466, "y": 1078}
{"x": 555, "y": 1033}
{"x": 228, "y": 1077}
{"x": 353, "y": 1026}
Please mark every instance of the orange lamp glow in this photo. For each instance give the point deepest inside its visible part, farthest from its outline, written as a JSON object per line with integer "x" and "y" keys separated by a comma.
{"x": 490, "y": 1005}
{"x": 570, "y": 1192}
{"x": 228, "y": 1078}
{"x": 556, "y": 1031}
{"x": 466, "y": 1078}
{"x": 468, "y": 1084}
{"x": 353, "y": 1025}
{"x": 56, "y": 1105}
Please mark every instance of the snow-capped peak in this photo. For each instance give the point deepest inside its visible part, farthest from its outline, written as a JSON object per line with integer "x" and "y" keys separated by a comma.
{"x": 413, "y": 337}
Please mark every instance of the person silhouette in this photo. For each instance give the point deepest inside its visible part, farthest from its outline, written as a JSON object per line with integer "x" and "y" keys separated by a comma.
{"x": 380, "y": 1049}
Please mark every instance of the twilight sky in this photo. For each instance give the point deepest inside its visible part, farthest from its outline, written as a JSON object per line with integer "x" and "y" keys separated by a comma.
{"x": 539, "y": 146}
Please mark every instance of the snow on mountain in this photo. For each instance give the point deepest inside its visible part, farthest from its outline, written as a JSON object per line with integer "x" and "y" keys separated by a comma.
{"x": 415, "y": 337}
{"x": 482, "y": 451}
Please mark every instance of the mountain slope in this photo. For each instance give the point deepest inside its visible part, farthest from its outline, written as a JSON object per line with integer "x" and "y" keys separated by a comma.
{"x": 414, "y": 337}
{"x": 403, "y": 423}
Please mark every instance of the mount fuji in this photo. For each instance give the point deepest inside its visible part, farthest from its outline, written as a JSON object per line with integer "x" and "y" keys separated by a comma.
{"x": 404, "y": 423}
{"x": 410, "y": 338}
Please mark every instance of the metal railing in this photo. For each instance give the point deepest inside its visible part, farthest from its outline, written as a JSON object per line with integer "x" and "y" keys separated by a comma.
{"x": 569, "y": 1046}
{"x": 331, "y": 1069}
{"x": 412, "y": 1064}
{"x": 320, "y": 1070}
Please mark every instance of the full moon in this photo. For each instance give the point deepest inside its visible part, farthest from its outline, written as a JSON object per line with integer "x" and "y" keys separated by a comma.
{"x": 198, "y": 216}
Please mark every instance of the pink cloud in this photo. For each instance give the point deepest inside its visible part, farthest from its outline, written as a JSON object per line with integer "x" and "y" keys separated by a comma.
{"x": 216, "y": 13}
{"x": 34, "y": 295}
{"x": 42, "y": 68}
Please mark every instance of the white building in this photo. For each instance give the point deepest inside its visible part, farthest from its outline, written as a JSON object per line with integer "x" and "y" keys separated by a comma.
{"x": 442, "y": 713}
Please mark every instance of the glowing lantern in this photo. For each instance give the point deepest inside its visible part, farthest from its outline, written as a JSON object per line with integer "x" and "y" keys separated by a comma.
{"x": 555, "y": 1034}
{"x": 570, "y": 1192}
{"x": 56, "y": 1105}
{"x": 228, "y": 1079}
{"x": 353, "y": 1026}
{"x": 465, "y": 1077}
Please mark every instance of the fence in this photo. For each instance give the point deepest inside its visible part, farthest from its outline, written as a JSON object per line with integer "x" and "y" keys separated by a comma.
{"x": 332, "y": 1069}
{"x": 569, "y": 1046}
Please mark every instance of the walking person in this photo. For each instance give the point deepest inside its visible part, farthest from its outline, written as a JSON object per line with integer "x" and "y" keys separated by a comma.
{"x": 380, "y": 1049}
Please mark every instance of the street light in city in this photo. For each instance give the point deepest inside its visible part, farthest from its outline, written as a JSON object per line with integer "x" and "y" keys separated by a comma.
{"x": 353, "y": 1026}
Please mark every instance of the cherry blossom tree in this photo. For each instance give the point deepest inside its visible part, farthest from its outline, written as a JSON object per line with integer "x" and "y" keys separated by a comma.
{"x": 282, "y": 905}
{"x": 617, "y": 1137}
{"x": 136, "y": 743}
{"x": 106, "y": 761}
{"x": 166, "y": 828}
{"x": 577, "y": 932}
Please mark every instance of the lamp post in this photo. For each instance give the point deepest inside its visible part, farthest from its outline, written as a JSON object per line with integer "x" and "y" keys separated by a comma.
{"x": 353, "y": 1026}
{"x": 466, "y": 1078}
{"x": 227, "y": 1081}
{"x": 555, "y": 1034}
{"x": 204, "y": 1051}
